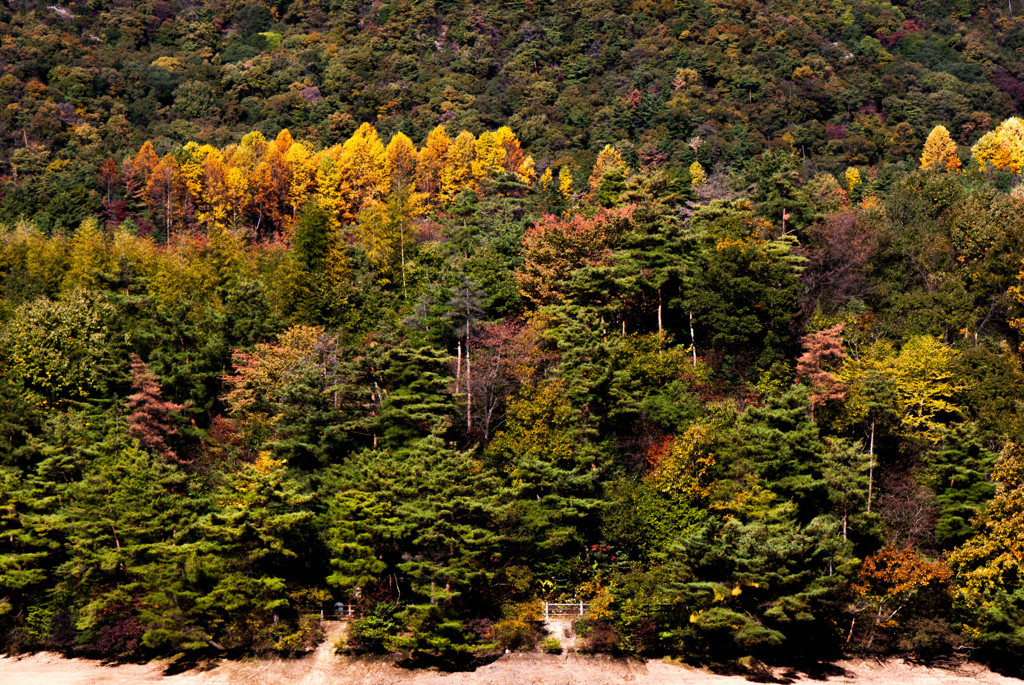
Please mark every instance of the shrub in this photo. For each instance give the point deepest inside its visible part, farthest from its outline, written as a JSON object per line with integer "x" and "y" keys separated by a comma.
{"x": 551, "y": 645}
{"x": 374, "y": 632}
{"x": 520, "y": 628}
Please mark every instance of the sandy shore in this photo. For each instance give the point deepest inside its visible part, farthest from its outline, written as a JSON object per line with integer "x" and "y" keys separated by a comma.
{"x": 514, "y": 669}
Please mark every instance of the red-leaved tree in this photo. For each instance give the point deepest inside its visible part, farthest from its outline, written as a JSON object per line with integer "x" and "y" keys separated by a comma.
{"x": 150, "y": 416}
{"x": 823, "y": 353}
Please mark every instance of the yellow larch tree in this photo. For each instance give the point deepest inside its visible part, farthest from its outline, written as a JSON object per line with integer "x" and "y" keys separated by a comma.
{"x": 508, "y": 141}
{"x": 526, "y": 172}
{"x": 164, "y": 193}
{"x": 431, "y": 163}
{"x": 490, "y": 157}
{"x": 87, "y": 256}
{"x": 546, "y": 180}
{"x": 607, "y": 160}
{"x": 565, "y": 182}
{"x": 361, "y": 172}
{"x": 458, "y": 169}
{"x": 401, "y": 160}
{"x": 303, "y": 164}
{"x": 284, "y": 141}
{"x": 940, "y": 151}
{"x": 212, "y": 204}
{"x": 144, "y": 162}
{"x": 271, "y": 183}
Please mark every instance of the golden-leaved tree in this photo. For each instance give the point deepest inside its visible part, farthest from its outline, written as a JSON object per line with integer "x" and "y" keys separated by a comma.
{"x": 1003, "y": 147}
{"x": 940, "y": 151}
{"x": 260, "y": 184}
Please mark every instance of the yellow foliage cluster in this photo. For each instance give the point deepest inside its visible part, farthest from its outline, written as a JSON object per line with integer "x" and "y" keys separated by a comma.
{"x": 259, "y": 182}
{"x": 698, "y": 176}
{"x": 1003, "y": 147}
{"x": 853, "y": 178}
{"x": 608, "y": 160}
{"x": 684, "y": 465}
{"x": 991, "y": 563}
{"x": 925, "y": 387}
{"x": 940, "y": 151}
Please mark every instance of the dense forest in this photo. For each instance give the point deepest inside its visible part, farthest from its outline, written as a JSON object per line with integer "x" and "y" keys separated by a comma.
{"x": 709, "y": 315}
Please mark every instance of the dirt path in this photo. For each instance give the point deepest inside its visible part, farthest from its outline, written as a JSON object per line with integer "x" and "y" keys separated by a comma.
{"x": 323, "y": 667}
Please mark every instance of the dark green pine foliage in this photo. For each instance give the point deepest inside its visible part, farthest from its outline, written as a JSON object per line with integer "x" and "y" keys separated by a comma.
{"x": 780, "y": 444}
{"x": 312, "y": 236}
{"x": 185, "y": 347}
{"x": 958, "y": 471}
{"x": 413, "y": 394}
{"x": 249, "y": 316}
{"x": 553, "y": 469}
{"x": 423, "y": 518}
{"x": 312, "y": 242}
{"x": 313, "y": 424}
{"x": 95, "y": 513}
{"x": 776, "y": 178}
{"x": 845, "y": 468}
{"x": 360, "y": 528}
{"x": 252, "y": 548}
{"x": 19, "y": 420}
{"x": 27, "y": 544}
{"x": 35, "y": 530}
{"x": 123, "y": 516}
{"x": 767, "y": 588}
{"x": 662, "y": 253}
{"x": 742, "y": 290}
{"x": 488, "y": 234}
{"x": 612, "y": 185}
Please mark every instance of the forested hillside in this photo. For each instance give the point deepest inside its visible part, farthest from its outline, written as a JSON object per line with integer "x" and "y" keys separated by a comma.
{"x": 707, "y": 315}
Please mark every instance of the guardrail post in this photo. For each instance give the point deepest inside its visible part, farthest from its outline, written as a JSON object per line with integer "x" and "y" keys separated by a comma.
{"x": 545, "y": 611}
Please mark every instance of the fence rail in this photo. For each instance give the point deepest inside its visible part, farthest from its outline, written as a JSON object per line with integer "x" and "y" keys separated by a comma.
{"x": 339, "y": 612}
{"x": 563, "y": 610}
{"x": 552, "y": 610}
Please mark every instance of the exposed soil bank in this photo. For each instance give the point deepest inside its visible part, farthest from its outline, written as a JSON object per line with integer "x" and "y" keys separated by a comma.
{"x": 514, "y": 669}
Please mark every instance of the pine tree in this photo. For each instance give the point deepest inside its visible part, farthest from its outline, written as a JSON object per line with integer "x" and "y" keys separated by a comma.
{"x": 608, "y": 160}
{"x": 958, "y": 469}
{"x": 428, "y": 512}
{"x": 413, "y": 394}
{"x": 781, "y": 445}
{"x": 552, "y": 469}
{"x": 767, "y": 589}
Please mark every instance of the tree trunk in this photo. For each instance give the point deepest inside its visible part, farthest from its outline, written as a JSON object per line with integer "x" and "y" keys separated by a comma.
{"x": 402, "y": 235}
{"x": 458, "y": 367}
{"x": 469, "y": 384}
{"x": 659, "y": 311}
{"x": 871, "y": 464}
{"x": 693, "y": 341}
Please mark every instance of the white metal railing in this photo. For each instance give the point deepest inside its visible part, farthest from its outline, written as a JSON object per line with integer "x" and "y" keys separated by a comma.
{"x": 562, "y": 610}
{"x": 339, "y": 612}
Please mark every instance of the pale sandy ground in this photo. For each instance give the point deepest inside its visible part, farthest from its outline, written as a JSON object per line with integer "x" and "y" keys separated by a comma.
{"x": 515, "y": 669}
{"x": 323, "y": 668}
